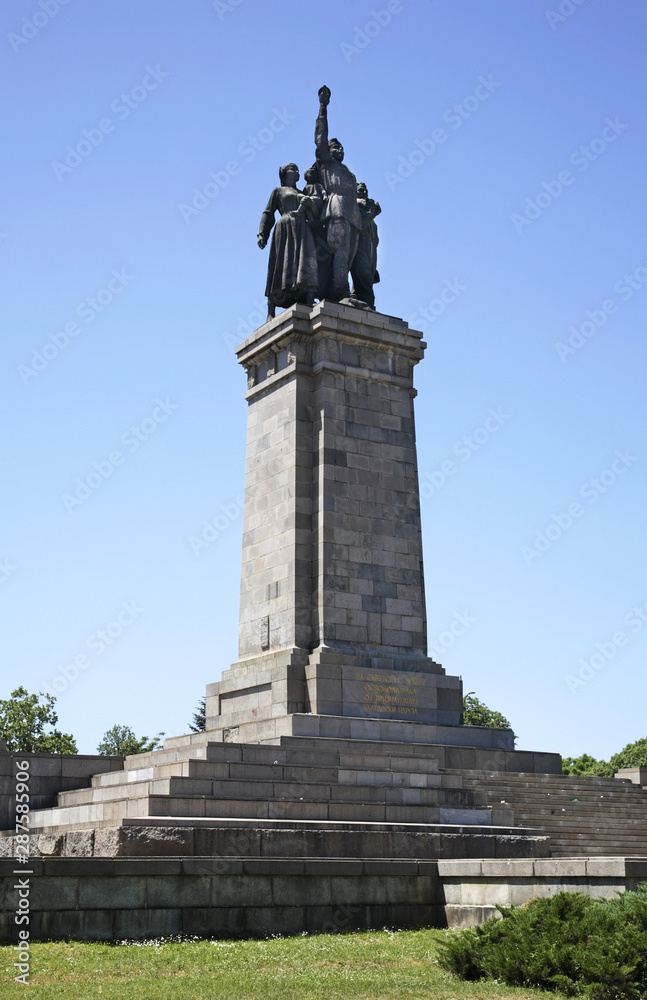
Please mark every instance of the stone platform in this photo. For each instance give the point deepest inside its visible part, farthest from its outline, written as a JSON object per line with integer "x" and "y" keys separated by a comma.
{"x": 312, "y": 834}
{"x": 472, "y": 890}
{"x": 333, "y": 727}
{"x": 116, "y": 898}
{"x": 111, "y": 899}
{"x": 325, "y": 783}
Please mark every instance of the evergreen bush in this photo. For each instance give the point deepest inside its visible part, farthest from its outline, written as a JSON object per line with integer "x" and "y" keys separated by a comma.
{"x": 595, "y": 948}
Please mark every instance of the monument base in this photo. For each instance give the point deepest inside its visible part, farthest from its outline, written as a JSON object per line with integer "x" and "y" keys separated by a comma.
{"x": 338, "y": 727}
{"x": 340, "y": 694}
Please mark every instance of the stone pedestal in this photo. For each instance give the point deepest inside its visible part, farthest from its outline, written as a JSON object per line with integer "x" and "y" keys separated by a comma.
{"x": 332, "y": 606}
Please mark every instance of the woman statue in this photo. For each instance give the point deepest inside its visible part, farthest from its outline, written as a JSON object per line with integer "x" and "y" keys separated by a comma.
{"x": 315, "y": 190}
{"x": 292, "y": 269}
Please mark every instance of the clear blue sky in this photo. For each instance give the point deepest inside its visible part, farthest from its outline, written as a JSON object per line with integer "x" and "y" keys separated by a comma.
{"x": 151, "y": 298}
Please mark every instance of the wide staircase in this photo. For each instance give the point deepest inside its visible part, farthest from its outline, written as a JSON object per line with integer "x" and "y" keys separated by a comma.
{"x": 257, "y": 782}
{"x": 348, "y": 798}
{"x": 224, "y": 799}
{"x": 582, "y": 815}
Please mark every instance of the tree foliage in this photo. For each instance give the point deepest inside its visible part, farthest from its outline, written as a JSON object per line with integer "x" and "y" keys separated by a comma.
{"x": 23, "y": 721}
{"x": 199, "y": 722}
{"x": 587, "y": 765}
{"x": 120, "y": 741}
{"x": 475, "y": 713}
{"x": 633, "y": 755}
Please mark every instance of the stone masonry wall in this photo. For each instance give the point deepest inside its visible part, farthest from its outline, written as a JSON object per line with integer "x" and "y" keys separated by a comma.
{"x": 369, "y": 572}
{"x": 276, "y": 565}
{"x": 332, "y": 550}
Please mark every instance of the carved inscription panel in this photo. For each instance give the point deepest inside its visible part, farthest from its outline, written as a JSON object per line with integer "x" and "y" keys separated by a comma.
{"x": 382, "y": 694}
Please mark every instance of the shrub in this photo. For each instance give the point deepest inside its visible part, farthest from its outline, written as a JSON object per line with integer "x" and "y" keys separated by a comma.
{"x": 581, "y": 946}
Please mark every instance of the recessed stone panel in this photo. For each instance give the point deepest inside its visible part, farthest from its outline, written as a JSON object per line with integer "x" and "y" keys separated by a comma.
{"x": 382, "y": 694}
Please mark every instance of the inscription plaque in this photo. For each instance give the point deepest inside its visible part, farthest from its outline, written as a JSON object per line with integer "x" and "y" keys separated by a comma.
{"x": 389, "y": 694}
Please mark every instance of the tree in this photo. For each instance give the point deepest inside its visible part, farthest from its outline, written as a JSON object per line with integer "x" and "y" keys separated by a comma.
{"x": 120, "y": 741}
{"x": 199, "y": 723}
{"x": 23, "y": 718}
{"x": 475, "y": 713}
{"x": 633, "y": 755}
{"x": 587, "y": 765}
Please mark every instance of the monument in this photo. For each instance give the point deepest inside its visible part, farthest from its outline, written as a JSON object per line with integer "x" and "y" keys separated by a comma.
{"x": 332, "y": 632}
{"x": 335, "y": 784}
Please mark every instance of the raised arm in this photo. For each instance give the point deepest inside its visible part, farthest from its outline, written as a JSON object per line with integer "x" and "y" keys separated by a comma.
{"x": 321, "y": 126}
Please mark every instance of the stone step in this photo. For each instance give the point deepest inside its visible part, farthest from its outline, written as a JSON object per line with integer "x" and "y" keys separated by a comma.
{"x": 592, "y": 797}
{"x": 574, "y": 827}
{"x": 187, "y": 740}
{"x": 557, "y": 804}
{"x": 558, "y": 839}
{"x": 449, "y": 755}
{"x": 398, "y": 771}
{"x": 631, "y": 845}
{"x": 101, "y": 814}
{"x": 563, "y": 801}
{"x": 254, "y": 753}
{"x": 557, "y": 800}
{"x": 567, "y": 794}
{"x": 554, "y": 806}
{"x": 612, "y": 815}
{"x": 581, "y": 814}
{"x": 550, "y": 782}
{"x": 461, "y": 755}
{"x": 274, "y": 790}
{"x": 597, "y": 841}
{"x": 200, "y": 746}
{"x": 539, "y": 790}
{"x": 574, "y": 809}
{"x": 617, "y": 789}
{"x": 260, "y": 754}
{"x": 333, "y": 809}
{"x": 625, "y": 846}
{"x": 570, "y": 850}
{"x": 547, "y": 777}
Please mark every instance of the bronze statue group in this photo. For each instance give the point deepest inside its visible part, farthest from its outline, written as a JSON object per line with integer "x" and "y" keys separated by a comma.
{"x": 323, "y": 233}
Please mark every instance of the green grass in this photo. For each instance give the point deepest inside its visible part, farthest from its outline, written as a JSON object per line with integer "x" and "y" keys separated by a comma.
{"x": 375, "y": 965}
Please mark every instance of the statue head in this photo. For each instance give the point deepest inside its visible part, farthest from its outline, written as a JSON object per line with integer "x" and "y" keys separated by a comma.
{"x": 336, "y": 149}
{"x": 289, "y": 175}
{"x": 362, "y": 190}
{"x": 311, "y": 175}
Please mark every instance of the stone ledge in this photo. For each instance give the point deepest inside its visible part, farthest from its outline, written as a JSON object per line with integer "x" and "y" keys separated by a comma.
{"x": 135, "y": 867}
{"x": 576, "y": 867}
{"x": 474, "y": 889}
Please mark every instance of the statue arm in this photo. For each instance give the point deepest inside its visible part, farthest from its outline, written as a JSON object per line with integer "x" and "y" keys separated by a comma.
{"x": 321, "y": 126}
{"x": 267, "y": 221}
{"x": 310, "y": 207}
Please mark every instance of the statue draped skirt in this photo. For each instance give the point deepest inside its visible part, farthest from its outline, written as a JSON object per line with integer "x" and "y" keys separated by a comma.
{"x": 292, "y": 274}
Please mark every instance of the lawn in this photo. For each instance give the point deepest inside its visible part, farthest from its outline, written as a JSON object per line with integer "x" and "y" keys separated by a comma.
{"x": 375, "y": 965}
